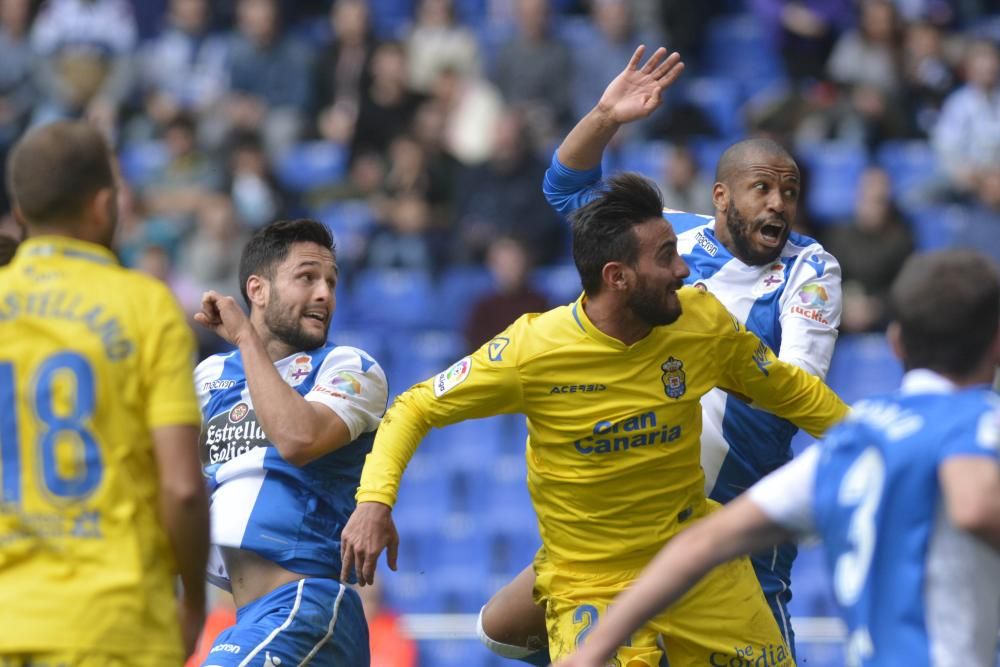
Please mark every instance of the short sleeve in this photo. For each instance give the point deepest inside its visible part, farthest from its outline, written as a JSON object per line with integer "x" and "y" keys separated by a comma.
{"x": 354, "y": 387}
{"x": 166, "y": 361}
{"x": 811, "y": 307}
{"x": 982, "y": 440}
{"x": 786, "y": 495}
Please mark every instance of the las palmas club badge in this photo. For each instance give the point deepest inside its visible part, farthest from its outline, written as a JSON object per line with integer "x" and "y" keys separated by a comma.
{"x": 673, "y": 378}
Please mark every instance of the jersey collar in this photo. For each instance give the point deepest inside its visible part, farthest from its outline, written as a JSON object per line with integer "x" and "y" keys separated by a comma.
{"x": 583, "y": 322}
{"x": 924, "y": 381}
{"x": 53, "y": 246}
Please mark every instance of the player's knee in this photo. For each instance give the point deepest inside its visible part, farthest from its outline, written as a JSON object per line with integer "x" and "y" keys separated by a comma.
{"x": 511, "y": 651}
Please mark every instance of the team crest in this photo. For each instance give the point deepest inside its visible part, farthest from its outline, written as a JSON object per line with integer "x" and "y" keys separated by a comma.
{"x": 773, "y": 278}
{"x": 673, "y": 378}
{"x": 299, "y": 370}
{"x": 238, "y": 412}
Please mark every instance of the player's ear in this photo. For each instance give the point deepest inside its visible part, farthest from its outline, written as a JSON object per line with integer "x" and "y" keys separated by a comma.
{"x": 720, "y": 197}
{"x": 613, "y": 275}
{"x": 258, "y": 290}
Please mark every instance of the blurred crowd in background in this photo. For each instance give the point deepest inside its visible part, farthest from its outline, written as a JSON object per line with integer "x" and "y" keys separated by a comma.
{"x": 419, "y": 130}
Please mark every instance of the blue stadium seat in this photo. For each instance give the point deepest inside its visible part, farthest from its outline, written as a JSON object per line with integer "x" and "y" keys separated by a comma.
{"x": 370, "y": 340}
{"x": 863, "y": 365}
{"x": 420, "y": 354}
{"x": 141, "y": 160}
{"x": 910, "y": 164}
{"x": 458, "y": 289}
{"x": 719, "y": 99}
{"x": 811, "y": 592}
{"x": 390, "y": 17}
{"x": 560, "y": 284}
{"x": 472, "y": 444}
{"x": 937, "y": 227}
{"x": 649, "y": 158}
{"x": 834, "y": 171}
{"x": 454, "y": 653}
{"x": 707, "y": 151}
{"x": 312, "y": 164}
{"x": 395, "y": 299}
{"x": 736, "y": 46}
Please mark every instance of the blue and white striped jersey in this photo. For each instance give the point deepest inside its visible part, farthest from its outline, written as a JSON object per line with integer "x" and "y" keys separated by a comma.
{"x": 913, "y": 589}
{"x": 288, "y": 514}
{"x": 793, "y": 304}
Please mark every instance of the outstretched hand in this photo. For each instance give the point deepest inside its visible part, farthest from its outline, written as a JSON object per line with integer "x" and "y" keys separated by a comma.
{"x": 636, "y": 92}
{"x": 222, "y": 315}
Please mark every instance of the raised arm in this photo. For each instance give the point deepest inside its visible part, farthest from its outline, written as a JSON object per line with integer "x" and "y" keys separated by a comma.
{"x": 632, "y": 95}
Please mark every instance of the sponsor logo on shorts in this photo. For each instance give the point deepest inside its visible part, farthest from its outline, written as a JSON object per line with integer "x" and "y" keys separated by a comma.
{"x": 271, "y": 660}
{"x": 752, "y": 656}
{"x": 454, "y": 376}
{"x": 226, "y": 648}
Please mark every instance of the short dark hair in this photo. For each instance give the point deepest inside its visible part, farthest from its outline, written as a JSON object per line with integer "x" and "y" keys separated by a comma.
{"x": 602, "y": 229}
{"x": 270, "y": 244}
{"x": 56, "y": 169}
{"x": 947, "y": 305}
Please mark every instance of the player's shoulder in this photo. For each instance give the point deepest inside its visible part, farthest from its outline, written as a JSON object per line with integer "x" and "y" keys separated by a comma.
{"x": 808, "y": 249}
{"x": 702, "y": 312}
{"x": 211, "y": 368}
{"x": 347, "y": 357}
{"x": 684, "y": 223}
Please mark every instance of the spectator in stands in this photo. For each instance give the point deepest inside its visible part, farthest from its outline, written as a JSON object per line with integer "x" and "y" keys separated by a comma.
{"x": 684, "y": 186}
{"x": 803, "y": 32}
{"x": 253, "y": 187}
{"x": 270, "y": 77}
{"x": 512, "y": 295}
{"x": 405, "y": 239}
{"x": 501, "y": 198}
{"x": 472, "y": 108}
{"x": 436, "y": 42}
{"x": 343, "y": 69}
{"x": 597, "y": 60}
{"x": 83, "y": 50}
{"x": 387, "y": 105}
{"x": 871, "y": 248}
{"x": 534, "y": 70}
{"x": 967, "y": 135}
{"x": 442, "y": 167}
{"x": 391, "y": 645}
{"x": 927, "y": 75}
{"x": 181, "y": 185}
{"x": 184, "y": 67}
{"x": 17, "y": 95}
{"x": 980, "y": 229}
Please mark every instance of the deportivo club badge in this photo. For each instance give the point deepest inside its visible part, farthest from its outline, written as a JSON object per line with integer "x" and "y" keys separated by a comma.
{"x": 673, "y": 378}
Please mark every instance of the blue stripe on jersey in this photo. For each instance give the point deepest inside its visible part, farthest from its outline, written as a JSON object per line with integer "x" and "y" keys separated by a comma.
{"x": 704, "y": 265}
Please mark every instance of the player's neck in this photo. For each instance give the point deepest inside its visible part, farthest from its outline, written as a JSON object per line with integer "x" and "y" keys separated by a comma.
{"x": 612, "y": 319}
{"x": 276, "y": 348}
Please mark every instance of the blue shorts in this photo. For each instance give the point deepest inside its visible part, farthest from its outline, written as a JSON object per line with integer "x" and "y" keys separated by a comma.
{"x": 311, "y": 621}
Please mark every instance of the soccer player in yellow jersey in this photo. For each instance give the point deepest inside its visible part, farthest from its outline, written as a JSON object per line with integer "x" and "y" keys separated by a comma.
{"x": 102, "y": 500}
{"x": 610, "y": 386}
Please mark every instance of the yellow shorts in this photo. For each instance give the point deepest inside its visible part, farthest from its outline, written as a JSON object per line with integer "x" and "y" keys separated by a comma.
{"x": 87, "y": 659}
{"x": 723, "y": 621}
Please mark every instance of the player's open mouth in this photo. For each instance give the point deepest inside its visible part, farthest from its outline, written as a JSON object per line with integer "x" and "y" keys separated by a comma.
{"x": 318, "y": 315}
{"x": 770, "y": 233}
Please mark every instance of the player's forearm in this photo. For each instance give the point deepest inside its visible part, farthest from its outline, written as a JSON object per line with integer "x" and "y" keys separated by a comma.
{"x": 584, "y": 146}
{"x": 801, "y": 398}
{"x": 185, "y": 519}
{"x": 402, "y": 429}
{"x": 288, "y": 419}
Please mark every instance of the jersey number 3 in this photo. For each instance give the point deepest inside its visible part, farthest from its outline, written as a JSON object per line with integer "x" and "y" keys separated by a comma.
{"x": 861, "y": 488}
{"x": 63, "y": 416}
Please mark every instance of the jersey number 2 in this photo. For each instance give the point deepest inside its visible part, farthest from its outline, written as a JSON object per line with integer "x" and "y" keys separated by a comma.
{"x": 861, "y": 488}
{"x": 66, "y": 426}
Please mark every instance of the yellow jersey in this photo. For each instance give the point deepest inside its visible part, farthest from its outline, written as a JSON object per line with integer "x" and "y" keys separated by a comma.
{"x": 613, "y": 450}
{"x": 93, "y": 357}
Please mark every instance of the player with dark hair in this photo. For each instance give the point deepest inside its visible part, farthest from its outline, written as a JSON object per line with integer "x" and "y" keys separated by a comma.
{"x": 905, "y": 493}
{"x": 783, "y": 286}
{"x": 287, "y": 422}
{"x": 103, "y": 500}
{"x": 610, "y": 385}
